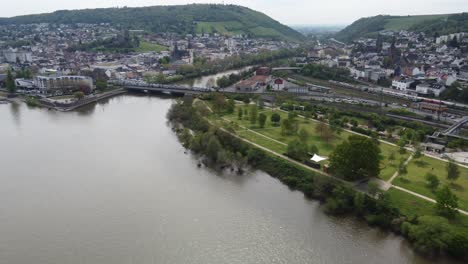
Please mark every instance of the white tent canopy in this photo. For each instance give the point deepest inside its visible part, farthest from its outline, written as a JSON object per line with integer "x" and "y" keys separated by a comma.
{"x": 317, "y": 158}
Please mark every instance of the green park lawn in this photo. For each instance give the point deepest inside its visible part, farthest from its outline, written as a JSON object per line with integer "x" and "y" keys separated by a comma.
{"x": 404, "y": 23}
{"x": 224, "y": 28}
{"x": 149, "y": 47}
{"x": 415, "y": 180}
{"x": 412, "y": 206}
{"x": 387, "y": 166}
{"x": 325, "y": 148}
{"x": 262, "y": 141}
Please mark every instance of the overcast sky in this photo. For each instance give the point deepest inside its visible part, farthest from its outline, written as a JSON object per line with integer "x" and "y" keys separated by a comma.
{"x": 291, "y": 12}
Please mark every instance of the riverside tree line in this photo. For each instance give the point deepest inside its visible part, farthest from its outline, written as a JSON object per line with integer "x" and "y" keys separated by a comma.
{"x": 355, "y": 158}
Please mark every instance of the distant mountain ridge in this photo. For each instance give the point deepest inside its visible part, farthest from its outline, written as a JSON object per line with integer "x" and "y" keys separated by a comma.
{"x": 182, "y": 19}
{"x": 430, "y": 24}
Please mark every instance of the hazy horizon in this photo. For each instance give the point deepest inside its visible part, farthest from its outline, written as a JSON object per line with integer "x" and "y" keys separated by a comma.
{"x": 297, "y": 13}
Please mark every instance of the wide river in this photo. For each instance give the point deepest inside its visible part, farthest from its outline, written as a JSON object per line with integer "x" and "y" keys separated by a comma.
{"x": 110, "y": 184}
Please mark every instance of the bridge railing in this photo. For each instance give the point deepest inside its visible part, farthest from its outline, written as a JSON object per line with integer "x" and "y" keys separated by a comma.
{"x": 145, "y": 85}
{"x": 456, "y": 126}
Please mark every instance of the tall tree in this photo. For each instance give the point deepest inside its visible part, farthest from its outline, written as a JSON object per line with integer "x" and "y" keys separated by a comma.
{"x": 297, "y": 150}
{"x": 432, "y": 182}
{"x": 10, "y": 82}
{"x": 320, "y": 128}
{"x": 231, "y": 106}
{"x": 356, "y": 158}
{"x": 303, "y": 135}
{"x": 213, "y": 148}
{"x": 275, "y": 118}
{"x": 262, "y": 120}
{"x": 452, "y": 171}
{"x": 253, "y": 114}
{"x": 447, "y": 202}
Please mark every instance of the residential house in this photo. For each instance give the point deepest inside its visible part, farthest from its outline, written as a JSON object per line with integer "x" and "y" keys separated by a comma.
{"x": 430, "y": 89}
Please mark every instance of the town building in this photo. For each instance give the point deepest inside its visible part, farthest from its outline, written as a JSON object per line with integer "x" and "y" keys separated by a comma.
{"x": 63, "y": 84}
{"x": 402, "y": 84}
{"x": 430, "y": 89}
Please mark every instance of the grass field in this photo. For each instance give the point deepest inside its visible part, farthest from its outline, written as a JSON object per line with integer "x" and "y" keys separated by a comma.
{"x": 412, "y": 206}
{"x": 404, "y": 23}
{"x": 409, "y": 205}
{"x": 149, "y": 47}
{"x": 325, "y": 148}
{"x": 267, "y": 32}
{"x": 233, "y": 28}
{"x": 388, "y": 167}
{"x": 415, "y": 181}
{"x": 224, "y": 28}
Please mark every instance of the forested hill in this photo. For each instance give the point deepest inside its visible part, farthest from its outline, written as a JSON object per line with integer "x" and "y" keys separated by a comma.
{"x": 430, "y": 24}
{"x": 183, "y": 19}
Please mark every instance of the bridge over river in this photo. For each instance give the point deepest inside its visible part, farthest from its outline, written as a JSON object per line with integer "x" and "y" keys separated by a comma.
{"x": 155, "y": 87}
{"x": 455, "y": 128}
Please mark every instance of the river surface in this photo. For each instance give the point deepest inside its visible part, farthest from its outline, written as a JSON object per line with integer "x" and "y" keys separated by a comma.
{"x": 110, "y": 184}
{"x": 210, "y": 80}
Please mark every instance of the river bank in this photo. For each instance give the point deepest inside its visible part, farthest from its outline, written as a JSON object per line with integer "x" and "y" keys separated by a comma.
{"x": 338, "y": 199}
{"x": 71, "y": 106}
{"x": 144, "y": 200}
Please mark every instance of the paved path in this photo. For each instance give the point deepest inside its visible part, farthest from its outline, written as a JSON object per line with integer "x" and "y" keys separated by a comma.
{"x": 398, "y": 172}
{"x": 423, "y": 197}
{"x": 257, "y": 133}
{"x": 386, "y": 185}
{"x": 279, "y": 155}
{"x": 290, "y": 160}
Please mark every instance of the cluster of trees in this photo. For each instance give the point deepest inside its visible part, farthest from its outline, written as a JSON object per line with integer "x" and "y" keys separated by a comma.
{"x": 163, "y": 19}
{"x": 458, "y": 143}
{"x": 78, "y": 95}
{"x": 413, "y": 132}
{"x": 121, "y": 43}
{"x": 233, "y": 78}
{"x": 456, "y": 93}
{"x": 445, "y": 25}
{"x": 203, "y": 66}
{"x": 433, "y": 235}
{"x": 24, "y": 73}
{"x": 370, "y": 26}
{"x": 160, "y": 78}
{"x": 355, "y": 158}
{"x": 290, "y": 125}
{"x": 10, "y": 82}
{"x": 202, "y": 138}
{"x": 101, "y": 85}
{"x": 325, "y": 73}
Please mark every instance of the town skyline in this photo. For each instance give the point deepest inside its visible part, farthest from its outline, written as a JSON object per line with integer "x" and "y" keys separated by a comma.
{"x": 297, "y": 13}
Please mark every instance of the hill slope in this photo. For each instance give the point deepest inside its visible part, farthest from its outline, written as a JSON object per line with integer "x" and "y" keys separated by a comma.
{"x": 183, "y": 19}
{"x": 442, "y": 24}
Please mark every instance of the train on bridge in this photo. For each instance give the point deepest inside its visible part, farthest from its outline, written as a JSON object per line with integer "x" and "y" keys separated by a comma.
{"x": 171, "y": 88}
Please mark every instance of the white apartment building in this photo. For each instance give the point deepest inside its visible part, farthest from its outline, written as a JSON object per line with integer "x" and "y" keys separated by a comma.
{"x": 428, "y": 88}
{"x": 401, "y": 84}
{"x": 15, "y": 55}
{"x": 50, "y": 85}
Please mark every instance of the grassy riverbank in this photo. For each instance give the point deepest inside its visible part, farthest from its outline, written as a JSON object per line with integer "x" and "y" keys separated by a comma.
{"x": 415, "y": 180}
{"x": 271, "y": 137}
{"x": 225, "y": 138}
